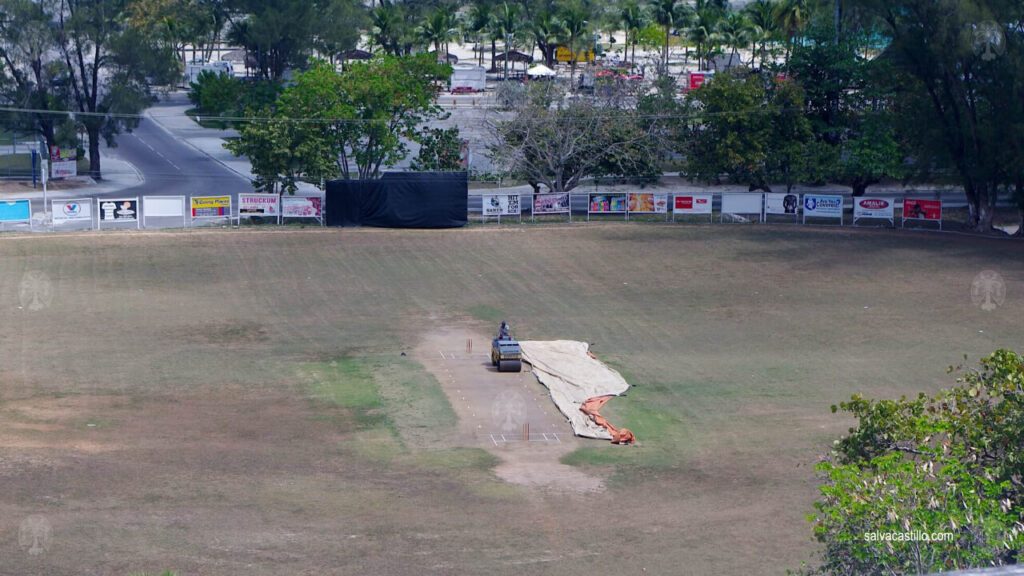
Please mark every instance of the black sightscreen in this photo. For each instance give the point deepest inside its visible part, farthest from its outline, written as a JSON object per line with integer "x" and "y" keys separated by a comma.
{"x": 400, "y": 200}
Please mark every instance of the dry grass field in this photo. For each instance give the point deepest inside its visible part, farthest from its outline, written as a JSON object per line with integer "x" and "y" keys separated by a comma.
{"x": 238, "y": 403}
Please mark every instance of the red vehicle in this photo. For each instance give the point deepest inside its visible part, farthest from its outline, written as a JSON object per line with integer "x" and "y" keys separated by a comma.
{"x": 463, "y": 90}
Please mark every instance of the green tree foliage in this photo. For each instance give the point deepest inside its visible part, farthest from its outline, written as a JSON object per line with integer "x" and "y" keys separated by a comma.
{"x": 353, "y": 123}
{"x": 950, "y": 463}
{"x": 218, "y": 96}
{"x": 440, "y": 151}
{"x": 215, "y": 93}
{"x": 854, "y": 129}
{"x": 277, "y": 33}
{"x": 633, "y": 18}
{"x": 749, "y": 127}
{"x": 437, "y": 29}
{"x": 956, "y": 73}
{"x": 82, "y": 56}
{"x": 338, "y": 26}
{"x": 557, "y": 143}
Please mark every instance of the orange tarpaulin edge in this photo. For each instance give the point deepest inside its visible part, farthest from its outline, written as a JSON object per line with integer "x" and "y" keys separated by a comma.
{"x": 592, "y": 409}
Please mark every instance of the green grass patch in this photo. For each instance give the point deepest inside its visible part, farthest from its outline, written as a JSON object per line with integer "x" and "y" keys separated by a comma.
{"x": 346, "y": 383}
{"x": 16, "y": 163}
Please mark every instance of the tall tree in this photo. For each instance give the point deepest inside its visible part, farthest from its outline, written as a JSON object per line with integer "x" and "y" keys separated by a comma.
{"x": 762, "y": 16}
{"x": 476, "y": 22}
{"x": 110, "y": 67}
{"x": 956, "y": 78}
{"x": 556, "y": 143}
{"x": 576, "y": 29}
{"x": 547, "y": 30}
{"x": 33, "y": 80}
{"x": 278, "y": 33}
{"x": 437, "y": 29}
{"x": 339, "y": 26}
{"x": 670, "y": 14}
{"x": 633, "y": 19}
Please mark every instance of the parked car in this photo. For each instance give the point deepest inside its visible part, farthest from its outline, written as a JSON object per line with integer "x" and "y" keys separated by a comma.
{"x": 464, "y": 90}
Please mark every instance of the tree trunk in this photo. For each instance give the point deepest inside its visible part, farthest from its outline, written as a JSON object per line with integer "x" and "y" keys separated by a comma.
{"x": 93, "y": 130}
{"x": 666, "y": 48}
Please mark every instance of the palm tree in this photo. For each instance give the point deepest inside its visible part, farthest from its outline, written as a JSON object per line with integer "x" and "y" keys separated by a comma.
{"x": 703, "y": 33}
{"x": 761, "y": 14}
{"x": 438, "y": 29}
{"x": 504, "y": 25}
{"x": 575, "y": 26}
{"x": 670, "y": 14}
{"x": 792, "y": 16}
{"x": 388, "y": 27}
{"x": 547, "y": 29}
{"x": 734, "y": 31}
{"x": 477, "y": 20}
{"x": 633, "y": 20}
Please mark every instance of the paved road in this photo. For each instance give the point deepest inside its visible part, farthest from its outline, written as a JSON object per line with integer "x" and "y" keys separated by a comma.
{"x": 168, "y": 163}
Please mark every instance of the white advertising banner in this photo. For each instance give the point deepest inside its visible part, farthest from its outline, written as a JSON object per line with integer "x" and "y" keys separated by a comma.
{"x": 163, "y": 206}
{"x": 259, "y": 205}
{"x": 742, "y": 203}
{"x": 692, "y": 204}
{"x": 785, "y": 204}
{"x": 882, "y": 208}
{"x": 303, "y": 207}
{"x": 501, "y": 205}
{"x": 65, "y": 211}
{"x": 823, "y": 206}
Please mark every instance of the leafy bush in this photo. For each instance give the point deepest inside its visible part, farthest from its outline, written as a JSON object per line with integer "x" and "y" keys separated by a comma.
{"x": 950, "y": 464}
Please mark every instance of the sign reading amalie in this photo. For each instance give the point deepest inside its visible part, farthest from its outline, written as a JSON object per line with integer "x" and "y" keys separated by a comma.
{"x": 694, "y": 204}
{"x": 916, "y": 209}
{"x": 259, "y": 205}
{"x": 551, "y": 204}
{"x": 122, "y": 210}
{"x": 71, "y": 210}
{"x": 642, "y": 202}
{"x": 302, "y": 206}
{"x": 873, "y": 208}
{"x": 501, "y": 205}
{"x": 211, "y": 206}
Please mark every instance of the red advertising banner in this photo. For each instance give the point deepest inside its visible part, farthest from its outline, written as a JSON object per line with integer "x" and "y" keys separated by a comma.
{"x": 696, "y": 80}
{"x": 916, "y": 209}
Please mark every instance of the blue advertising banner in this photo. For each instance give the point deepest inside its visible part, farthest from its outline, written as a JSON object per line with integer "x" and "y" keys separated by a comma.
{"x": 15, "y": 210}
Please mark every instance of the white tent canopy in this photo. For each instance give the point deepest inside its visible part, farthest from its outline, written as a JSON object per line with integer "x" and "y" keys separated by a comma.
{"x": 540, "y": 70}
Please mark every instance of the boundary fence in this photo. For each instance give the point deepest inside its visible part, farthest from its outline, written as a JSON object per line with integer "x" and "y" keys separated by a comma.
{"x": 157, "y": 211}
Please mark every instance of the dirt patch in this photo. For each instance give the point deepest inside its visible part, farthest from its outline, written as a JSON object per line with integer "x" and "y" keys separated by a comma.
{"x": 509, "y": 415}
